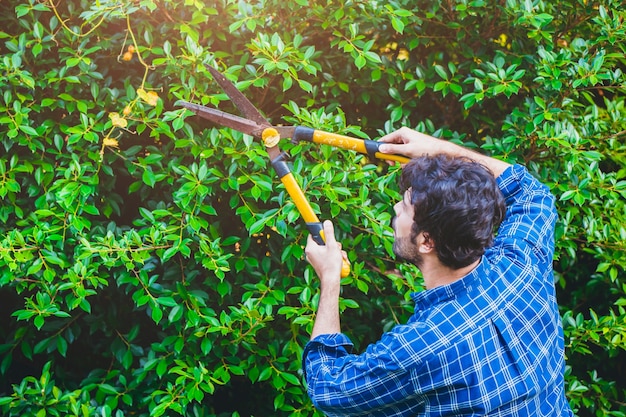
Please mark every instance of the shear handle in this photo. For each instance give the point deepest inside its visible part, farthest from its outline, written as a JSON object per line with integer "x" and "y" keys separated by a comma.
{"x": 302, "y": 204}
{"x": 369, "y": 147}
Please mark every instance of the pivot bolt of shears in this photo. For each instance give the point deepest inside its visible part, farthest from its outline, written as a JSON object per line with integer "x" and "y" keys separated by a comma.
{"x": 271, "y": 137}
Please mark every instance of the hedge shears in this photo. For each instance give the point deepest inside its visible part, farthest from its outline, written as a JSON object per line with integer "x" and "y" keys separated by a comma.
{"x": 255, "y": 124}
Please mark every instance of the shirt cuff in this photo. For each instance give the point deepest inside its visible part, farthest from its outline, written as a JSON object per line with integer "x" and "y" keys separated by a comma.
{"x": 509, "y": 181}
{"x": 334, "y": 346}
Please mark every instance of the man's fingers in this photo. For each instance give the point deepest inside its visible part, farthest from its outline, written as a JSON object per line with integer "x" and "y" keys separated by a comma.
{"x": 390, "y": 138}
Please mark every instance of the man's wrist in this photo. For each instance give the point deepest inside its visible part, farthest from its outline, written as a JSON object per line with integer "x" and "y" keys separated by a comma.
{"x": 327, "y": 317}
{"x": 330, "y": 290}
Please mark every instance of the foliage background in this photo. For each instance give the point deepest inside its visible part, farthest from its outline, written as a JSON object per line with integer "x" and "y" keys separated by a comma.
{"x": 151, "y": 264}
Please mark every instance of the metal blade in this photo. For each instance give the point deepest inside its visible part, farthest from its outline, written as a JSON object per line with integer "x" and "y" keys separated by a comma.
{"x": 243, "y": 104}
{"x": 225, "y": 119}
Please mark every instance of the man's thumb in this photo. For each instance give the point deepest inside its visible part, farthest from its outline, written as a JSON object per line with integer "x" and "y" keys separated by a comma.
{"x": 387, "y": 148}
{"x": 329, "y": 232}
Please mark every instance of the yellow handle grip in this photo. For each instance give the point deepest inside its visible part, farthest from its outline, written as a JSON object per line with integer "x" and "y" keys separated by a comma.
{"x": 339, "y": 141}
{"x": 369, "y": 147}
{"x": 306, "y": 211}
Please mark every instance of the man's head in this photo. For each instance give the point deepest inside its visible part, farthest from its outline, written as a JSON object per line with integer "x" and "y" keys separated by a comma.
{"x": 452, "y": 205}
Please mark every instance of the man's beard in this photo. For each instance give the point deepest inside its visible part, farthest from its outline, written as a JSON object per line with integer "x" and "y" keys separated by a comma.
{"x": 404, "y": 249}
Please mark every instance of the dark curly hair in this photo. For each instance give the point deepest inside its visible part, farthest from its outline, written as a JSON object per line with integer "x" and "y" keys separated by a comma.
{"x": 457, "y": 204}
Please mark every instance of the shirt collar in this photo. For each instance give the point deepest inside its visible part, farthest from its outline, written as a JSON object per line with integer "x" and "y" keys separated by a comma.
{"x": 428, "y": 298}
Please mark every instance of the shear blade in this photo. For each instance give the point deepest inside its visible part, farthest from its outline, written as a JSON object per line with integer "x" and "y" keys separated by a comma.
{"x": 241, "y": 102}
{"x": 225, "y": 119}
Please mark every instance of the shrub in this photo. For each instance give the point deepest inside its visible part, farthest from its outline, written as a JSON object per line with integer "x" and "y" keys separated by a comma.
{"x": 151, "y": 263}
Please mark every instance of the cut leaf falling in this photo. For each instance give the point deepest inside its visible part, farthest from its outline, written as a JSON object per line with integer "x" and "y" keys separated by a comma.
{"x": 149, "y": 97}
{"x": 110, "y": 142}
{"x": 117, "y": 120}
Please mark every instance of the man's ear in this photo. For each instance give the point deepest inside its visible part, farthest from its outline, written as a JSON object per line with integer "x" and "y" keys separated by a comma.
{"x": 425, "y": 243}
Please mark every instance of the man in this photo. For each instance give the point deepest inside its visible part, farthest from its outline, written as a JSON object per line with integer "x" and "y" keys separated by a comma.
{"x": 486, "y": 337}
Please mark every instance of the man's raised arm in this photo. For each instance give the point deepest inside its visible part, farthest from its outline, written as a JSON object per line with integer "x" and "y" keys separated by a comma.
{"x": 409, "y": 142}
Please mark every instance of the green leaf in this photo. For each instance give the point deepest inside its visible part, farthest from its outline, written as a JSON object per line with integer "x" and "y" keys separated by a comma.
{"x": 5, "y": 364}
{"x": 441, "y": 72}
{"x": 62, "y": 346}
{"x": 157, "y": 314}
{"x": 292, "y": 379}
{"x": 148, "y": 177}
{"x": 257, "y": 226}
{"x": 397, "y": 24}
{"x": 360, "y": 61}
{"x": 28, "y": 130}
{"x": 38, "y": 322}
{"x": 166, "y": 301}
{"x": 265, "y": 374}
{"x": 108, "y": 389}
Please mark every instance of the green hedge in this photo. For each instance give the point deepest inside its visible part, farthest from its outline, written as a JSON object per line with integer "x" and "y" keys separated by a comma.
{"x": 151, "y": 264}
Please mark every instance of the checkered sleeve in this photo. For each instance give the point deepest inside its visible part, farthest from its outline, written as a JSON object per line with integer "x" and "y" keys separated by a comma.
{"x": 528, "y": 228}
{"x": 376, "y": 382}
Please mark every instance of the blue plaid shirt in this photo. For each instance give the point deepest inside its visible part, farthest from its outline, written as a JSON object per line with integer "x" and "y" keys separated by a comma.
{"x": 490, "y": 343}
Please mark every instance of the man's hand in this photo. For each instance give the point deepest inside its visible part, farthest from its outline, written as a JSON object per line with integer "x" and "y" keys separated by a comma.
{"x": 327, "y": 261}
{"x": 409, "y": 142}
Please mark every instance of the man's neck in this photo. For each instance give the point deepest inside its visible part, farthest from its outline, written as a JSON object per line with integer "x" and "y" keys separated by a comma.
{"x": 436, "y": 274}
